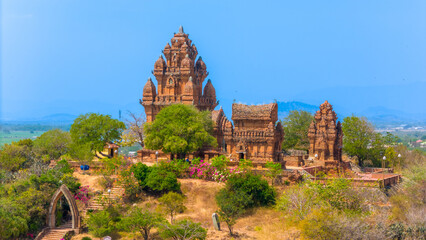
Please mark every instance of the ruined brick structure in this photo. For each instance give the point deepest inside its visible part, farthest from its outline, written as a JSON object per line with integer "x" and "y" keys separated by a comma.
{"x": 179, "y": 79}
{"x": 255, "y": 136}
{"x": 325, "y": 136}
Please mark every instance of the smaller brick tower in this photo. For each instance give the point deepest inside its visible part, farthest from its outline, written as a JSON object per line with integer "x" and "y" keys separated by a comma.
{"x": 179, "y": 79}
{"x": 325, "y": 136}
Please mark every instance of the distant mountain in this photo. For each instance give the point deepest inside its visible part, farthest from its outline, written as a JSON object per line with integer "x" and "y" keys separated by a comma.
{"x": 284, "y": 108}
{"x": 53, "y": 119}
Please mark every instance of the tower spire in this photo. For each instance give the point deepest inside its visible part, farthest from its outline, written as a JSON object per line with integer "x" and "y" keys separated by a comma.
{"x": 181, "y": 29}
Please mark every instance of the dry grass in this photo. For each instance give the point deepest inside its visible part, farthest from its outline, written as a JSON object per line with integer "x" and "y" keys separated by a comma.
{"x": 261, "y": 223}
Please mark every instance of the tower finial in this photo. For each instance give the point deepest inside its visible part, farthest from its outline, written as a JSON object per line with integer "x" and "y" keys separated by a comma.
{"x": 181, "y": 29}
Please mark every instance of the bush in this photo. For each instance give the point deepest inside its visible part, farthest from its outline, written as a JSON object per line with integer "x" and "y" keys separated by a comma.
{"x": 220, "y": 162}
{"x": 131, "y": 186}
{"x": 161, "y": 181}
{"x": 177, "y": 166}
{"x": 86, "y": 238}
{"x": 184, "y": 230}
{"x": 254, "y": 186}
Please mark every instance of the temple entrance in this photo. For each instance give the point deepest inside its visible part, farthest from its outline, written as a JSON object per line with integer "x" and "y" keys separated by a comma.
{"x": 63, "y": 212}
{"x": 241, "y": 155}
{"x": 64, "y": 202}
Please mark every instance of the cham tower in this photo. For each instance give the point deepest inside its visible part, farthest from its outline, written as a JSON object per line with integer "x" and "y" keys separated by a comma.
{"x": 325, "y": 137}
{"x": 179, "y": 79}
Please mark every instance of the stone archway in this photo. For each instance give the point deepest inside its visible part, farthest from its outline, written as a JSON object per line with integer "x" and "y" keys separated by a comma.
{"x": 51, "y": 217}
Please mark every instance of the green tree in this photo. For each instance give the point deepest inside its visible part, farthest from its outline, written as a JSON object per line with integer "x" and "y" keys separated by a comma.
{"x": 274, "y": 170}
{"x": 142, "y": 221}
{"x": 95, "y": 130}
{"x": 296, "y": 126}
{"x": 179, "y": 129}
{"x": 13, "y": 156}
{"x": 231, "y": 206}
{"x": 53, "y": 144}
{"x": 100, "y": 223}
{"x": 359, "y": 138}
{"x": 81, "y": 152}
{"x": 13, "y": 219}
{"x": 172, "y": 203}
{"x": 184, "y": 230}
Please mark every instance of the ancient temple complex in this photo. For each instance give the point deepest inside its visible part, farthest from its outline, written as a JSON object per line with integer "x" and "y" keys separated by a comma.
{"x": 325, "y": 136}
{"x": 256, "y": 136}
{"x": 179, "y": 79}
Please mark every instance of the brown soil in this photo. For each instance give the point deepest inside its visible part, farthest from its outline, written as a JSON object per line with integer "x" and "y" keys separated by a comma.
{"x": 88, "y": 179}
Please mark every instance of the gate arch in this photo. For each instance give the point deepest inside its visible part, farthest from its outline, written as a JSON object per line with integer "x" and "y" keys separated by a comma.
{"x": 51, "y": 217}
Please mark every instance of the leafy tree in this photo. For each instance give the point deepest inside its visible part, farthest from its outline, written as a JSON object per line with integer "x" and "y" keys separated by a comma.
{"x": 179, "y": 129}
{"x": 232, "y": 206}
{"x": 13, "y": 156}
{"x": 184, "y": 230}
{"x": 161, "y": 181}
{"x": 95, "y": 130}
{"x": 172, "y": 203}
{"x": 13, "y": 219}
{"x": 359, "y": 138}
{"x": 274, "y": 170}
{"x": 296, "y": 126}
{"x": 142, "y": 221}
{"x": 100, "y": 223}
{"x": 81, "y": 152}
{"x": 53, "y": 144}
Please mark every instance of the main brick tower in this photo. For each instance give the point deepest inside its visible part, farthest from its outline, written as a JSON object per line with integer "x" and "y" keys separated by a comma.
{"x": 179, "y": 79}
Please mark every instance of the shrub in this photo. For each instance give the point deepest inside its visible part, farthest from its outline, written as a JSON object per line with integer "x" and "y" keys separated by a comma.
{"x": 184, "y": 230}
{"x": 86, "y": 238}
{"x": 141, "y": 172}
{"x": 131, "y": 186}
{"x": 254, "y": 186}
{"x": 220, "y": 162}
{"x": 161, "y": 181}
{"x": 177, "y": 166}
{"x": 296, "y": 201}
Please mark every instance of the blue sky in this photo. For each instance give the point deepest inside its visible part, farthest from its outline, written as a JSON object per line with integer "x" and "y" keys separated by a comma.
{"x": 78, "y": 56}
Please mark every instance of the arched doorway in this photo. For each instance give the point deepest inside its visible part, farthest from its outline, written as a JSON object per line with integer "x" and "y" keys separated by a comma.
{"x": 51, "y": 217}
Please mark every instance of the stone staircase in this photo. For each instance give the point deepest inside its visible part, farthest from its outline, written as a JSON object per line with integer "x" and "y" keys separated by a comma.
{"x": 306, "y": 176}
{"x": 58, "y": 233}
{"x": 114, "y": 196}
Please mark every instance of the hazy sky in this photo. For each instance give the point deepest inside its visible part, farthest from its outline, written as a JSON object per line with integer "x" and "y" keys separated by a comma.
{"x": 76, "y": 56}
